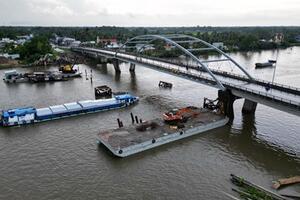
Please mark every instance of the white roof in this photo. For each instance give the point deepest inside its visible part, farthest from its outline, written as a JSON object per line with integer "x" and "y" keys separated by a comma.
{"x": 10, "y": 72}
{"x": 58, "y": 109}
{"x": 73, "y": 106}
{"x": 43, "y": 111}
{"x": 97, "y": 103}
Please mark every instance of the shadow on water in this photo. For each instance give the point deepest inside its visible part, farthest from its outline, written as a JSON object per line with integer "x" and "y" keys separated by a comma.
{"x": 118, "y": 163}
{"x": 118, "y": 77}
{"x": 244, "y": 141}
{"x": 133, "y": 82}
{"x": 103, "y": 69}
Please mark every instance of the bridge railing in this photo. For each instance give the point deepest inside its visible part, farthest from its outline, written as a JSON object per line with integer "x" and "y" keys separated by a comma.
{"x": 234, "y": 86}
{"x": 234, "y": 75}
{"x": 265, "y": 94}
{"x": 158, "y": 62}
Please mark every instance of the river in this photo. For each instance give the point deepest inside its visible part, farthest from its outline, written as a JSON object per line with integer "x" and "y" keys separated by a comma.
{"x": 61, "y": 160}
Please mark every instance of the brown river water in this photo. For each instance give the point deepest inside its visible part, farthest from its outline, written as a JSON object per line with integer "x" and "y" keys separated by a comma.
{"x": 61, "y": 160}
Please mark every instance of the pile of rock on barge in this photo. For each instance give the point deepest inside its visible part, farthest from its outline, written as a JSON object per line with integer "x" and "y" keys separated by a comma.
{"x": 175, "y": 125}
{"x": 13, "y": 76}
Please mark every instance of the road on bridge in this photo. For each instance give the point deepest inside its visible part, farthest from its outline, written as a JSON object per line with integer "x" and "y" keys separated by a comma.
{"x": 280, "y": 97}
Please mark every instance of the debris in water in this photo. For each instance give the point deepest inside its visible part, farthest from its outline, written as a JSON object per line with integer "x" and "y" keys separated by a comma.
{"x": 285, "y": 181}
{"x": 248, "y": 190}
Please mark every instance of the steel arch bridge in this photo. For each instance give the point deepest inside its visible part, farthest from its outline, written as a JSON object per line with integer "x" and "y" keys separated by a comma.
{"x": 177, "y": 40}
{"x": 281, "y": 97}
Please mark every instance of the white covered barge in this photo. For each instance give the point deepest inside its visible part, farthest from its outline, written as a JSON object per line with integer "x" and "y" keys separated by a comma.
{"x": 30, "y": 115}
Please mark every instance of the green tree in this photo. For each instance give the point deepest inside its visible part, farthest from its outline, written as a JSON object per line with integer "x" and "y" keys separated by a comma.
{"x": 35, "y": 48}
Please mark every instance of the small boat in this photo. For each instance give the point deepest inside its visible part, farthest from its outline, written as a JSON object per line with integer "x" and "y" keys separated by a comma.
{"x": 30, "y": 115}
{"x": 12, "y": 76}
{"x": 263, "y": 65}
{"x": 103, "y": 91}
{"x": 74, "y": 75}
{"x": 272, "y": 61}
{"x": 165, "y": 84}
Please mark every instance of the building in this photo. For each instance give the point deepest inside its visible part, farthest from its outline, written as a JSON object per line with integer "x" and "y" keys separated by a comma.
{"x": 76, "y": 43}
{"x": 10, "y": 56}
{"x": 219, "y": 45}
{"x": 88, "y": 43}
{"x": 21, "y": 41}
{"x": 66, "y": 41}
{"x": 25, "y": 37}
{"x": 106, "y": 41}
{"x": 297, "y": 38}
{"x": 169, "y": 47}
{"x": 109, "y": 43}
{"x": 5, "y": 41}
{"x": 278, "y": 38}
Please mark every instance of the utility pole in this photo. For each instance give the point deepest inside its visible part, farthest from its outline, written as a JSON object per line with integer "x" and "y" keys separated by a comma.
{"x": 275, "y": 66}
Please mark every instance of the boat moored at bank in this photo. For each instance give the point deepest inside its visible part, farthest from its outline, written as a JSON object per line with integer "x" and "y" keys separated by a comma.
{"x": 13, "y": 76}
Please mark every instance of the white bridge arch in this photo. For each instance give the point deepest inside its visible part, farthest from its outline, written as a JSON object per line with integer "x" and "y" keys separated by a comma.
{"x": 177, "y": 40}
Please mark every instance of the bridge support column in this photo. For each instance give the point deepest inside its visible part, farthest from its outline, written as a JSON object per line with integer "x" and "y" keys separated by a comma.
{"x": 226, "y": 99}
{"x": 249, "y": 107}
{"x": 116, "y": 65}
{"x": 103, "y": 60}
{"x": 132, "y": 67}
{"x": 102, "y": 65}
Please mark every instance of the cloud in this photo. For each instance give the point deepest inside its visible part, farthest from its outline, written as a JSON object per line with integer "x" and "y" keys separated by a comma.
{"x": 149, "y": 13}
{"x": 50, "y": 7}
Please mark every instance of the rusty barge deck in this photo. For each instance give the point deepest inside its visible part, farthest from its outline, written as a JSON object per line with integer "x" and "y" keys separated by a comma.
{"x": 126, "y": 141}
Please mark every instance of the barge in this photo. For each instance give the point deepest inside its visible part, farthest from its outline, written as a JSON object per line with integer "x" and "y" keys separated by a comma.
{"x": 30, "y": 115}
{"x": 136, "y": 138}
{"x": 13, "y": 76}
{"x": 263, "y": 65}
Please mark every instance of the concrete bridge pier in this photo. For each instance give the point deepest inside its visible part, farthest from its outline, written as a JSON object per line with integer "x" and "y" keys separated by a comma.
{"x": 249, "y": 107}
{"x": 102, "y": 65}
{"x": 226, "y": 100}
{"x": 102, "y": 60}
{"x": 117, "y": 65}
{"x": 132, "y": 67}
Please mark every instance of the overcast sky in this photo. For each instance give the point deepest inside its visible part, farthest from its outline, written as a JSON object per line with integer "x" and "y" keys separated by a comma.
{"x": 150, "y": 12}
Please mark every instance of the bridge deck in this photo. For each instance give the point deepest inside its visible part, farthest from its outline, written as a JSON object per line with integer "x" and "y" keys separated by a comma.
{"x": 242, "y": 87}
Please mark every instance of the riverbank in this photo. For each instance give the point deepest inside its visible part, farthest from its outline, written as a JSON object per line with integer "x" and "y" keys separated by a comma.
{"x": 66, "y": 58}
{"x": 6, "y": 63}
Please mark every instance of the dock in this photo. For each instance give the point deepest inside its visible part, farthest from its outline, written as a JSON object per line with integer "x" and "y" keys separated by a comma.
{"x": 135, "y": 138}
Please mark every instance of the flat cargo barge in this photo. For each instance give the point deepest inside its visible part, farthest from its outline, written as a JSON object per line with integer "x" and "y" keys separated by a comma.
{"x": 126, "y": 141}
{"x": 30, "y": 115}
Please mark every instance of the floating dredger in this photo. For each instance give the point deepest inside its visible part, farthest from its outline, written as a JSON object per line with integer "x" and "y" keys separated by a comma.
{"x": 30, "y": 115}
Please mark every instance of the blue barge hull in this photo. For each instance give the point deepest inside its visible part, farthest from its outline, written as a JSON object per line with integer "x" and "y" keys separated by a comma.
{"x": 30, "y": 115}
